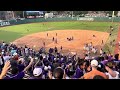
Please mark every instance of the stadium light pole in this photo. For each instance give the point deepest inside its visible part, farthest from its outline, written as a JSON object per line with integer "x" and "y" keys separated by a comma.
{"x": 13, "y": 15}
{"x": 23, "y": 15}
{"x": 72, "y": 14}
{"x": 113, "y": 16}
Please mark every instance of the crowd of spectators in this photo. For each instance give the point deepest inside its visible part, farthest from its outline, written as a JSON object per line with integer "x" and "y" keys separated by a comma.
{"x": 26, "y": 63}
{"x": 96, "y": 14}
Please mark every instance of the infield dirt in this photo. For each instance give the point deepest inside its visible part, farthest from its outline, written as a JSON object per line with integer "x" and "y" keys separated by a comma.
{"x": 80, "y": 38}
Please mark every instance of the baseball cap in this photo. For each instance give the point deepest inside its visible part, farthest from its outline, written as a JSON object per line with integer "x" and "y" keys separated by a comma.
{"x": 37, "y": 71}
{"x": 45, "y": 68}
{"x": 94, "y": 63}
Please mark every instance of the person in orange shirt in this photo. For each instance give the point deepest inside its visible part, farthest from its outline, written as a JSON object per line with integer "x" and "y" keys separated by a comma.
{"x": 94, "y": 71}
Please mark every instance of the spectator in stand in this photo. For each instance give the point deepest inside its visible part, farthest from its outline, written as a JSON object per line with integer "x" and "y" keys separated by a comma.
{"x": 57, "y": 74}
{"x": 21, "y": 65}
{"x": 70, "y": 74}
{"x": 1, "y": 63}
{"x": 87, "y": 57}
{"x": 15, "y": 56}
{"x": 87, "y": 66}
{"x": 5, "y": 69}
{"x": 41, "y": 65}
{"x": 116, "y": 57}
{"x": 101, "y": 51}
{"x": 15, "y": 74}
{"x": 93, "y": 49}
{"x": 13, "y": 51}
{"x": 90, "y": 45}
{"x": 106, "y": 59}
{"x": 79, "y": 70}
{"x": 70, "y": 71}
{"x": 37, "y": 73}
{"x": 26, "y": 50}
{"x": 111, "y": 73}
{"x": 94, "y": 72}
{"x": 109, "y": 70}
{"x": 47, "y": 67}
{"x": 98, "y": 77}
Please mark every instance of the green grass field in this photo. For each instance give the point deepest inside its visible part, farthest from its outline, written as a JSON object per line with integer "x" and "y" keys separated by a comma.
{"x": 11, "y": 33}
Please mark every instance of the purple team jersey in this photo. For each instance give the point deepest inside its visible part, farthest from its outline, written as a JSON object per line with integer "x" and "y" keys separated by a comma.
{"x": 18, "y": 76}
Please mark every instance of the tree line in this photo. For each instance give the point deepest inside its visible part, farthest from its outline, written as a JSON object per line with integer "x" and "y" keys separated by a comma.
{"x": 20, "y": 13}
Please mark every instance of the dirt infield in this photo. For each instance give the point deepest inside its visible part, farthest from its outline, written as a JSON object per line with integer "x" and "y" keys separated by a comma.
{"x": 80, "y": 38}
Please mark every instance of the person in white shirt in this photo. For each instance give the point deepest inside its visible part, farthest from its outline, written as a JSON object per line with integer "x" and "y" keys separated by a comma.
{"x": 87, "y": 48}
{"x": 93, "y": 49}
{"x": 1, "y": 62}
{"x": 96, "y": 50}
{"x": 26, "y": 51}
{"x": 87, "y": 58}
{"x": 3, "y": 43}
{"x": 6, "y": 58}
{"x": 111, "y": 77}
{"x": 88, "y": 52}
{"x": 111, "y": 74}
{"x": 101, "y": 51}
{"x": 90, "y": 45}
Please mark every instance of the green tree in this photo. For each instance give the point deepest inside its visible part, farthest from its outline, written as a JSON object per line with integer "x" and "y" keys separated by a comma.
{"x": 18, "y": 13}
{"x": 79, "y": 12}
{"x": 110, "y": 13}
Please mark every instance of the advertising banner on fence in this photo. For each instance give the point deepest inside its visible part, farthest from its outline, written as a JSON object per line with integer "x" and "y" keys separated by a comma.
{"x": 4, "y": 23}
{"x": 85, "y": 19}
